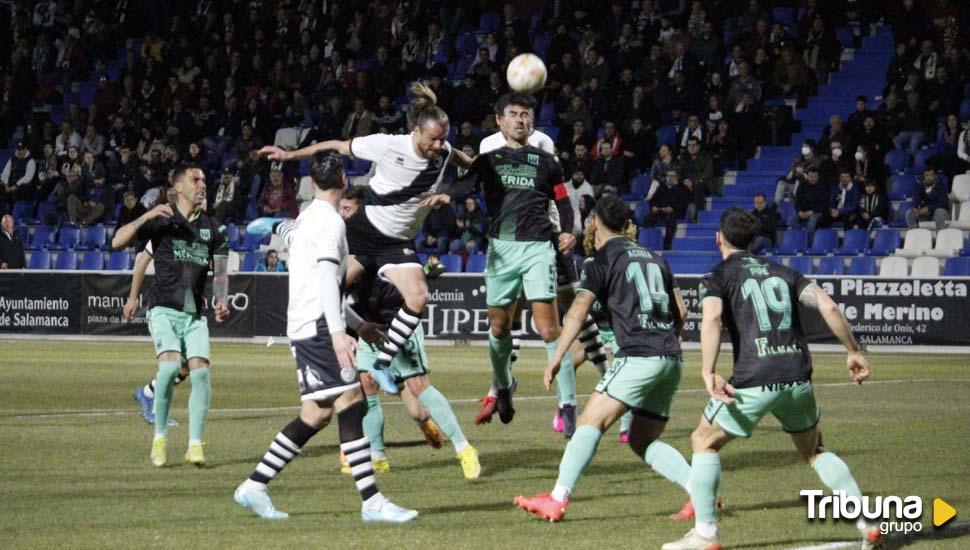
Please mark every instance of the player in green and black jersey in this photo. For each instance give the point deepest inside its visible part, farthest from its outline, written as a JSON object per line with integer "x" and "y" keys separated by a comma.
{"x": 184, "y": 240}
{"x": 518, "y": 181}
{"x": 758, "y": 302}
{"x": 644, "y": 308}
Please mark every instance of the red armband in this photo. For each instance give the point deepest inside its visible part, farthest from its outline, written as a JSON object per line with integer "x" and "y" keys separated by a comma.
{"x": 559, "y": 191}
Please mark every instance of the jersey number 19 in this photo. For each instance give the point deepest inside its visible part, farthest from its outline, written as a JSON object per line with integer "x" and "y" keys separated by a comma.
{"x": 771, "y": 293}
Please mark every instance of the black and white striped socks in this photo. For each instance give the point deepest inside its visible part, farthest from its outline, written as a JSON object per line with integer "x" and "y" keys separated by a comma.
{"x": 285, "y": 447}
{"x": 358, "y": 457}
{"x": 589, "y": 338}
{"x": 402, "y": 327}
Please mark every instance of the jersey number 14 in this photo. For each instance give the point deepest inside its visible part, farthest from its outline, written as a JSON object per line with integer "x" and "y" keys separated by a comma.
{"x": 650, "y": 288}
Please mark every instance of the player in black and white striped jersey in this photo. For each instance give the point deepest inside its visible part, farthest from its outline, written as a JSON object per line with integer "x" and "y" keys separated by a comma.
{"x": 409, "y": 169}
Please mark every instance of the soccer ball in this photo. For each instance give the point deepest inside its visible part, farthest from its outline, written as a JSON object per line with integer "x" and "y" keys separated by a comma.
{"x": 526, "y": 73}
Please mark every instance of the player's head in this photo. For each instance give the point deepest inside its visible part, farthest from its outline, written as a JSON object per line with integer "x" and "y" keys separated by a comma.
{"x": 515, "y": 116}
{"x": 612, "y": 215}
{"x": 737, "y": 230}
{"x": 428, "y": 121}
{"x": 327, "y": 171}
{"x": 188, "y": 181}
{"x": 351, "y": 201}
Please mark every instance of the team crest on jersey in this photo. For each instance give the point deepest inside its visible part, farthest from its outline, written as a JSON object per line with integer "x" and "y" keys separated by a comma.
{"x": 532, "y": 159}
{"x": 205, "y": 234}
{"x": 348, "y": 375}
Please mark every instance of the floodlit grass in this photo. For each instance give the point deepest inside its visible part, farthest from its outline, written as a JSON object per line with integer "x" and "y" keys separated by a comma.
{"x": 74, "y": 470}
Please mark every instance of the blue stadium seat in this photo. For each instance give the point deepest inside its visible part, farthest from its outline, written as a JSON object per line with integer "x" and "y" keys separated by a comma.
{"x": 490, "y": 22}
{"x": 467, "y": 44}
{"x": 919, "y": 161}
{"x": 551, "y": 131}
{"x": 94, "y": 238}
{"x": 43, "y": 237}
{"x": 651, "y": 238}
{"x": 641, "y": 212}
{"x": 250, "y": 261}
{"x": 897, "y": 160}
{"x": 23, "y": 212}
{"x": 831, "y": 265}
{"x": 786, "y": 211}
{"x": 47, "y": 212}
{"x": 39, "y": 259}
{"x": 854, "y": 242}
{"x": 823, "y": 242}
{"x": 794, "y": 242}
{"x": 802, "y": 264}
{"x": 965, "y": 109}
{"x": 67, "y": 238}
{"x": 547, "y": 114}
{"x": 691, "y": 262}
{"x": 956, "y": 267}
{"x": 903, "y": 187}
{"x": 666, "y": 134}
{"x": 232, "y": 233}
{"x": 695, "y": 243}
{"x": 92, "y": 261}
{"x": 359, "y": 167}
{"x": 777, "y": 260}
{"x": 884, "y": 243}
{"x": 452, "y": 262}
{"x": 252, "y": 242}
{"x": 862, "y": 265}
{"x": 638, "y": 188}
{"x": 119, "y": 260}
{"x": 900, "y": 217}
{"x": 23, "y": 232}
{"x": 66, "y": 260}
{"x": 846, "y": 36}
{"x": 476, "y": 263}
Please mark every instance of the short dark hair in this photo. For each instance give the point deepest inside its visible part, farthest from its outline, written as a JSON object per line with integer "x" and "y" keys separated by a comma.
{"x": 738, "y": 227}
{"x": 762, "y": 195}
{"x": 181, "y": 170}
{"x": 354, "y": 194}
{"x": 326, "y": 170}
{"x": 514, "y": 98}
{"x": 612, "y": 212}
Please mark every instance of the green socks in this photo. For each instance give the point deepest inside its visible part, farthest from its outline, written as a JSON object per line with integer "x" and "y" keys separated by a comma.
{"x": 835, "y": 474}
{"x": 374, "y": 423}
{"x": 566, "y": 379}
{"x": 666, "y": 461}
{"x": 441, "y": 412}
{"x": 198, "y": 402}
{"x": 579, "y": 453}
{"x": 164, "y": 382}
{"x": 705, "y": 476}
{"x": 500, "y": 351}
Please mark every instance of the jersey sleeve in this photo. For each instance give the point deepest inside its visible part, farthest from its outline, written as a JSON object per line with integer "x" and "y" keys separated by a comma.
{"x": 220, "y": 245}
{"x": 327, "y": 248}
{"x": 147, "y": 229}
{"x": 467, "y": 183}
{"x": 799, "y": 283}
{"x": 370, "y": 147}
{"x": 711, "y": 286}
{"x": 592, "y": 278}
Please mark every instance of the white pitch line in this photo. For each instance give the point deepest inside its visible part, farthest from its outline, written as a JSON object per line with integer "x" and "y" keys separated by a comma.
{"x": 29, "y": 415}
{"x": 961, "y": 526}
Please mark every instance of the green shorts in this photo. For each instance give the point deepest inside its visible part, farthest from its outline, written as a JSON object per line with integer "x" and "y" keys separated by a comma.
{"x": 177, "y": 331}
{"x": 645, "y": 384}
{"x": 792, "y": 403}
{"x": 411, "y": 361}
{"x": 512, "y": 266}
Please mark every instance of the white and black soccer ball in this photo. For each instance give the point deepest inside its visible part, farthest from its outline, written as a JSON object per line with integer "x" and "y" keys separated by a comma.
{"x": 526, "y": 73}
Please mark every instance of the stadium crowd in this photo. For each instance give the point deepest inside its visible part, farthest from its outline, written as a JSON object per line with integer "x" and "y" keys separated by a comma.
{"x": 650, "y": 100}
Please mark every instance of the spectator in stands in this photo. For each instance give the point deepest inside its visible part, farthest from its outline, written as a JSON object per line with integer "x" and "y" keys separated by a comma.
{"x": 811, "y": 202}
{"x": 745, "y": 81}
{"x": 694, "y": 129}
{"x": 434, "y": 268}
{"x": 821, "y": 49}
{"x": 18, "y": 176}
{"x": 914, "y": 123}
{"x": 854, "y": 124}
{"x": 668, "y": 205}
{"x": 767, "y": 224}
{"x": 482, "y": 66}
{"x": 279, "y": 197}
{"x": 578, "y": 188}
{"x": 843, "y": 202}
{"x": 132, "y": 209}
{"x": 611, "y": 136}
{"x": 67, "y": 138}
{"x": 388, "y": 119}
{"x": 11, "y": 248}
{"x": 580, "y": 160}
{"x": 697, "y": 171}
{"x": 639, "y": 144}
{"x": 899, "y": 66}
{"x": 931, "y": 202}
{"x": 91, "y": 169}
{"x": 570, "y": 137}
{"x": 872, "y": 206}
{"x": 471, "y": 224}
{"x": 805, "y": 161}
{"x": 835, "y": 163}
{"x": 91, "y": 205}
{"x": 271, "y": 263}
{"x": 722, "y": 144}
{"x": 874, "y": 139}
{"x": 438, "y": 230}
{"x": 48, "y": 173}
{"x": 225, "y": 203}
{"x": 586, "y": 205}
{"x": 867, "y": 168}
{"x": 92, "y": 141}
{"x": 609, "y": 171}
{"x": 791, "y": 75}
{"x": 661, "y": 166}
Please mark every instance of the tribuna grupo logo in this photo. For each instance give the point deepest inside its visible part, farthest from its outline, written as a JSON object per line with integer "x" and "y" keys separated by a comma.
{"x": 893, "y": 514}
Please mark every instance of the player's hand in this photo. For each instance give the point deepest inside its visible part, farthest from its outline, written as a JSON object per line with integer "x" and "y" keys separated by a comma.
{"x": 567, "y": 241}
{"x": 345, "y": 346}
{"x": 718, "y": 388}
{"x": 273, "y": 152}
{"x": 160, "y": 211}
{"x": 552, "y": 369}
{"x": 371, "y": 333}
{"x": 435, "y": 200}
{"x": 222, "y": 312}
{"x": 858, "y": 367}
{"x": 128, "y": 312}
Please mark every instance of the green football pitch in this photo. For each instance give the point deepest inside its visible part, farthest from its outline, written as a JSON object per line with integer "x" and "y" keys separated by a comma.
{"x": 74, "y": 470}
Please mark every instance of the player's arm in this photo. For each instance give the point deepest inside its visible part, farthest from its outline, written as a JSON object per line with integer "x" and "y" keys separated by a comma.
{"x": 461, "y": 187}
{"x": 572, "y": 324}
{"x": 370, "y": 332}
{"x": 813, "y": 297}
{"x": 127, "y": 233}
{"x": 567, "y": 240}
{"x": 220, "y": 286}
{"x": 273, "y": 152}
{"x": 460, "y": 159}
{"x": 679, "y": 313}
{"x": 717, "y": 387}
{"x": 137, "y": 278}
{"x": 343, "y": 344}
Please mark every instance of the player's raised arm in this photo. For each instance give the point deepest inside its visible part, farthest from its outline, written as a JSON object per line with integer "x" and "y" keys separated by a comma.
{"x": 273, "y": 152}
{"x": 126, "y": 233}
{"x": 814, "y": 297}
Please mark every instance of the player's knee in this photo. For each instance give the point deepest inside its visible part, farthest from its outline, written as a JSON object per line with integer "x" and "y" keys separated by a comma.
{"x": 547, "y": 332}
{"x": 317, "y": 417}
{"x": 417, "y": 299}
{"x": 350, "y": 421}
{"x": 368, "y": 384}
{"x": 700, "y": 439}
{"x": 500, "y": 330}
{"x": 639, "y": 445}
